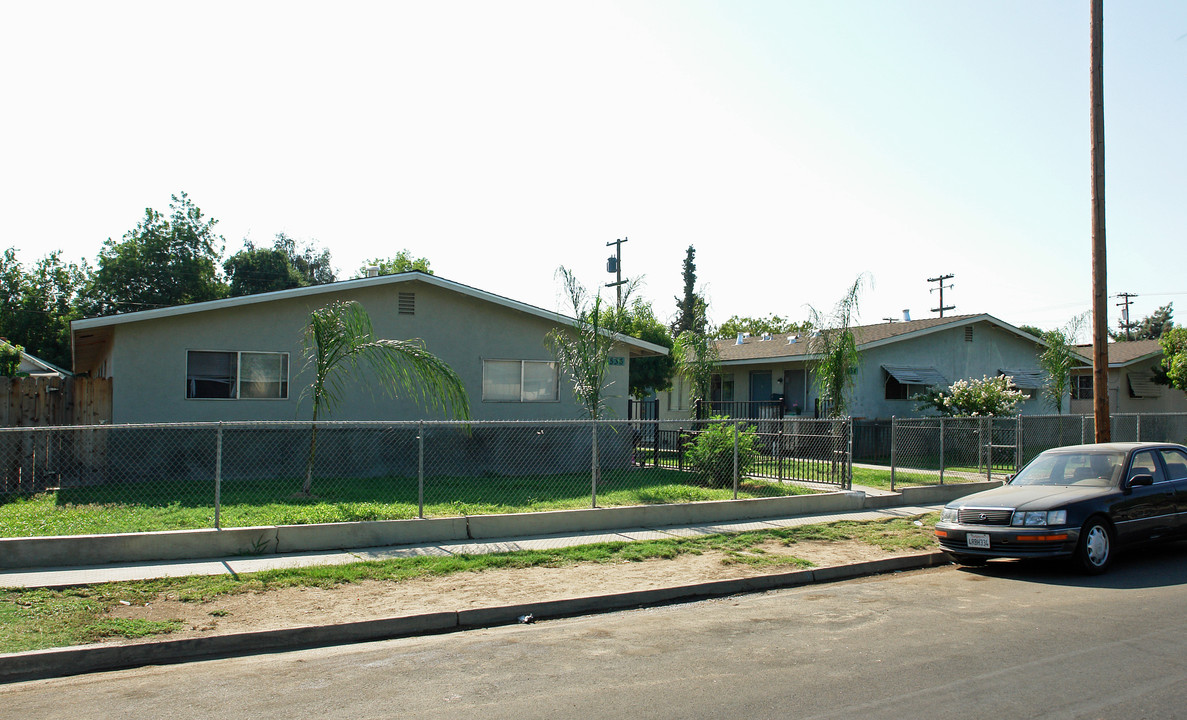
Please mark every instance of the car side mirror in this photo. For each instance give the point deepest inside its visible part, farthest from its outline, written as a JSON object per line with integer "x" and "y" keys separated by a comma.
{"x": 1143, "y": 479}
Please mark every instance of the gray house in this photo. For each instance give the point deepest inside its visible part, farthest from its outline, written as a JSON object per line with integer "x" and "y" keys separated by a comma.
{"x": 1132, "y": 389}
{"x": 241, "y": 358}
{"x": 899, "y": 360}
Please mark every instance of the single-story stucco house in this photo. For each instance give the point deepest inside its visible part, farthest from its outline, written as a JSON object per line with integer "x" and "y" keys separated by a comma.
{"x": 899, "y": 360}
{"x": 240, "y": 359}
{"x": 1132, "y": 389}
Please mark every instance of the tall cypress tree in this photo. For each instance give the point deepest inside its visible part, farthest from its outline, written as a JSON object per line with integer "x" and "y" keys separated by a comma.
{"x": 689, "y": 317}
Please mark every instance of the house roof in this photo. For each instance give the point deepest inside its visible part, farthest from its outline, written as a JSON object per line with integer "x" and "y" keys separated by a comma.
{"x": 781, "y": 346}
{"x": 35, "y": 366}
{"x": 1125, "y": 353}
{"x": 102, "y": 323}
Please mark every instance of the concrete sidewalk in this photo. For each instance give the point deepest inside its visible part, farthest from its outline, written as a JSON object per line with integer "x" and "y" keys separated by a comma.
{"x": 239, "y": 564}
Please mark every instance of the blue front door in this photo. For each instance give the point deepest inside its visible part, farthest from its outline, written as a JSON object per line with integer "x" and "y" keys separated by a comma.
{"x": 760, "y": 386}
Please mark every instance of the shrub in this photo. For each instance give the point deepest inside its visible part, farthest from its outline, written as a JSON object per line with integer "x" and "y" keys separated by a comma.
{"x": 711, "y": 452}
{"x": 973, "y": 398}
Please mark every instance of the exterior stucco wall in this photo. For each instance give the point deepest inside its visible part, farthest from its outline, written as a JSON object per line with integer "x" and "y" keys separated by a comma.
{"x": 1170, "y": 400}
{"x": 149, "y": 357}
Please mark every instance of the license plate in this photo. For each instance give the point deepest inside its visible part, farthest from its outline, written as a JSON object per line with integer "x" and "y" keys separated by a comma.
{"x": 977, "y": 540}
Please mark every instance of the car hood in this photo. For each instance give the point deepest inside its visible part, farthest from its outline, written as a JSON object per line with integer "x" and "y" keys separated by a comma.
{"x": 1029, "y": 497}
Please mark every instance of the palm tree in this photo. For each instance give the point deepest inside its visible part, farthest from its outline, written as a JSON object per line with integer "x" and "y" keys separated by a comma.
{"x": 836, "y": 349}
{"x": 340, "y": 336}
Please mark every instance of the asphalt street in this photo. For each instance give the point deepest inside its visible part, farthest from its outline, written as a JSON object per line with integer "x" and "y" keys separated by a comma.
{"x": 1014, "y": 640}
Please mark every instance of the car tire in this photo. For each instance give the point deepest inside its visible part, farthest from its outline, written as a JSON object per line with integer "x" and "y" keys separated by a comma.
{"x": 1095, "y": 550}
{"x": 968, "y": 560}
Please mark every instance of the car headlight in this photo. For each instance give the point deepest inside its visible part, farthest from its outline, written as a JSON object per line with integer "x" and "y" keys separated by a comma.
{"x": 950, "y": 515}
{"x": 1040, "y": 518}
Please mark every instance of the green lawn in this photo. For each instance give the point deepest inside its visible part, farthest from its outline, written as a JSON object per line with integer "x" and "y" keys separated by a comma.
{"x": 174, "y": 505}
{"x": 43, "y": 618}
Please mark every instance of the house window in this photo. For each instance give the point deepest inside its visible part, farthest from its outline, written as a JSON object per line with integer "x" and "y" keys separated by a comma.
{"x": 519, "y": 381}
{"x": 678, "y": 395}
{"x": 896, "y": 390}
{"x": 721, "y": 388}
{"x": 1081, "y": 387}
{"x": 230, "y": 375}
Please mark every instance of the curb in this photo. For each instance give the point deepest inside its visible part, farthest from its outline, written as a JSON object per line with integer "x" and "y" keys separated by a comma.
{"x": 78, "y": 660}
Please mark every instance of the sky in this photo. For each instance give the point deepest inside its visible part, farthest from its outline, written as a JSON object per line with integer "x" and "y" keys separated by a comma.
{"x": 795, "y": 145}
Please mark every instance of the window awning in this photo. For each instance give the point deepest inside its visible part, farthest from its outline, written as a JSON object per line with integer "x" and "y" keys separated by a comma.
{"x": 1025, "y": 379}
{"x": 911, "y": 375}
{"x": 1143, "y": 388}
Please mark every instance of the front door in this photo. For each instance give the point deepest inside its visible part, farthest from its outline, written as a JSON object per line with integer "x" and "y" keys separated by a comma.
{"x": 794, "y": 390}
{"x": 760, "y": 386}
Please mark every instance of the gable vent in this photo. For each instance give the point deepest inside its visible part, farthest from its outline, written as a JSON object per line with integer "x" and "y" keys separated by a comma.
{"x": 407, "y": 303}
{"x": 968, "y": 333}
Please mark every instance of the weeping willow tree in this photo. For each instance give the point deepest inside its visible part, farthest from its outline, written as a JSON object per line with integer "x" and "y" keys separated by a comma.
{"x": 339, "y": 340}
{"x": 837, "y": 358}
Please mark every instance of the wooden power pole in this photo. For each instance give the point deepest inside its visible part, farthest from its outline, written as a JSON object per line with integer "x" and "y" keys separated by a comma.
{"x": 1100, "y": 320}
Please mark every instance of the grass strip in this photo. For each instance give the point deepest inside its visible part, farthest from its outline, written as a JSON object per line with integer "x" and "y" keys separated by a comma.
{"x": 182, "y": 505}
{"x": 40, "y": 618}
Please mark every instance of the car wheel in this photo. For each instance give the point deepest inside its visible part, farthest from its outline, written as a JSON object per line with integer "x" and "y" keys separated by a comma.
{"x": 1095, "y": 550}
{"x": 969, "y": 560}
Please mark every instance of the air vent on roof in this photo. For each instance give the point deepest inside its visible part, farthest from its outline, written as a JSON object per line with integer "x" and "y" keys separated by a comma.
{"x": 906, "y": 315}
{"x": 372, "y": 271}
{"x": 766, "y": 336}
{"x": 407, "y": 303}
{"x": 793, "y": 339}
{"x": 741, "y": 337}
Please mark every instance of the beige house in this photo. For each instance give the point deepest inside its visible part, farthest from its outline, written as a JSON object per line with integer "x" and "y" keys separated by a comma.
{"x": 241, "y": 358}
{"x": 1132, "y": 389}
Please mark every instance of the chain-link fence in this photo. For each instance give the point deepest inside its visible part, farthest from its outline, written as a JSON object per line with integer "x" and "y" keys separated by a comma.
{"x": 928, "y": 451}
{"x": 70, "y": 480}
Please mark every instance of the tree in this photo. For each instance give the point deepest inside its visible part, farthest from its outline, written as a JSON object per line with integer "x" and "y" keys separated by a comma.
{"x": 758, "y": 325}
{"x": 1174, "y": 350}
{"x": 1032, "y": 330}
{"x": 255, "y": 270}
{"x": 401, "y": 262}
{"x": 583, "y": 348}
{"x": 340, "y": 338}
{"x": 973, "y": 398}
{"x": 697, "y": 358}
{"x": 163, "y": 261}
{"x": 648, "y": 374}
{"x": 837, "y": 357}
{"x": 37, "y": 305}
{"x": 1150, "y": 327}
{"x": 688, "y": 314}
{"x": 1058, "y": 359}
{"x": 10, "y": 359}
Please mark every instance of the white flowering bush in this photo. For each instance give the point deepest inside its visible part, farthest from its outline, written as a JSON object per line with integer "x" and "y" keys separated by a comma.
{"x": 974, "y": 398}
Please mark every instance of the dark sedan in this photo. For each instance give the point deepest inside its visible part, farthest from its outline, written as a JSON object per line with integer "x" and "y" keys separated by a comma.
{"x": 1083, "y": 502}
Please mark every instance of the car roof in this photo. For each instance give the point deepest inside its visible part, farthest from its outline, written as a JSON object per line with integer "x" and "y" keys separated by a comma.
{"x": 1113, "y": 447}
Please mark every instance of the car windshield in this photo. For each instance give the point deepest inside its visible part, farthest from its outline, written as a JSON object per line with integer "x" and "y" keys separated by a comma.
{"x": 1099, "y": 469}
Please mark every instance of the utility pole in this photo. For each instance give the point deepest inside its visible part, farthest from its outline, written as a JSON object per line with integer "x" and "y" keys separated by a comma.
{"x": 1124, "y": 305}
{"x": 614, "y": 265}
{"x": 941, "y": 288}
{"x": 1100, "y": 319}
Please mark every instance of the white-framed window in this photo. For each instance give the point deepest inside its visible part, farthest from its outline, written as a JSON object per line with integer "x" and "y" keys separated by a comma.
{"x": 236, "y": 375}
{"x": 520, "y": 381}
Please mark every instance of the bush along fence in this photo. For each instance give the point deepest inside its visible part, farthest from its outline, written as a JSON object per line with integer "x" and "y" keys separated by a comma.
{"x": 236, "y": 474}
{"x": 939, "y": 450}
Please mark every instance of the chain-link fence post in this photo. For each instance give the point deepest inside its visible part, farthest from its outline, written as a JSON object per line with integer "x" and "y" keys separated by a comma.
{"x": 1018, "y": 443}
{"x": 735, "y": 459}
{"x": 218, "y": 476}
{"x": 941, "y": 449}
{"x": 893, "y": 446}
{"x": 987, "y": 438}
{"x": 1139, "y": 430}
{"x": 849, "y": 456}
{"x": 420, "y": 469}
{"x": 594, "y": 474}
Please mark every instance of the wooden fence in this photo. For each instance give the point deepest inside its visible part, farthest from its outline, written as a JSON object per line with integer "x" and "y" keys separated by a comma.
{"x": 47, "y": 401}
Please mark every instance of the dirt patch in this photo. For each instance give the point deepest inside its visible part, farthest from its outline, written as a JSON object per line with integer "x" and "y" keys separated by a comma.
{"x": 371, "y": 600}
